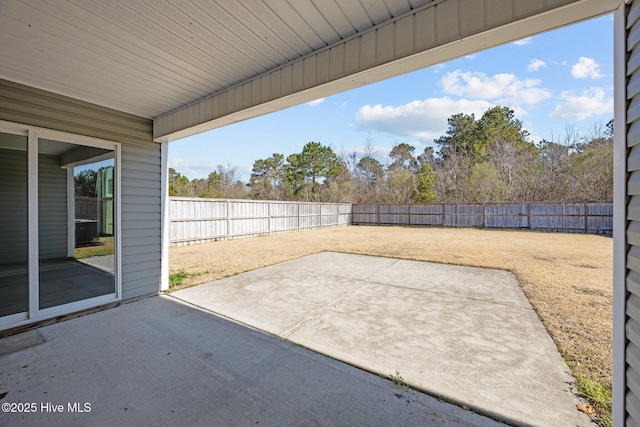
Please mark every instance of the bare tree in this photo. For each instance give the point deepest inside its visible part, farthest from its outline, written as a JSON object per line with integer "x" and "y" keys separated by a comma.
{"x": 452, "y": 174}
{"x": 401, "y": 185}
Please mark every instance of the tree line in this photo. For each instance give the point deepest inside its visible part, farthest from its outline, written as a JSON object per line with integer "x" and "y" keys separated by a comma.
{"x": 478, "y": 160}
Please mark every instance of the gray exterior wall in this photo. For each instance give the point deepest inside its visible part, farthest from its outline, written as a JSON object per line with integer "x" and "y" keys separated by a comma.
{"x": 631, "y": 397}
{"x": 141, "y": 171}
{"x": 632, "y": 309}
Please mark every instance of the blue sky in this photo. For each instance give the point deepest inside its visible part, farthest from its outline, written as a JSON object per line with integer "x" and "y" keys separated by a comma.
{"x": 553, "y": 81}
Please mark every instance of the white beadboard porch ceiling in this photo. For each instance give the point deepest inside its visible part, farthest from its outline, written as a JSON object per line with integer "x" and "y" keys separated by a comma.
{"x": 150, "y": 57}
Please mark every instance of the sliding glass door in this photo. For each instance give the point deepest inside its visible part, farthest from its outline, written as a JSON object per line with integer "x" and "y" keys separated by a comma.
{"x": 59, "y": 225}
{"x": 14, "y": 237}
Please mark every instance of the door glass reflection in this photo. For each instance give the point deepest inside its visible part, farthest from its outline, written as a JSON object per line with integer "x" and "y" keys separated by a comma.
{"x": 76, "y": 222}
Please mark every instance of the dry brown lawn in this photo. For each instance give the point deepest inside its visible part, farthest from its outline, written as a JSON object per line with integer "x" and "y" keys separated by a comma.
{"x": 567, "y": 277}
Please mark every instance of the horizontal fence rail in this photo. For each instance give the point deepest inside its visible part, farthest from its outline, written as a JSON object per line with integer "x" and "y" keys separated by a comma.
{"x": 592, "y": 218}
{"x": 198, "y": 220}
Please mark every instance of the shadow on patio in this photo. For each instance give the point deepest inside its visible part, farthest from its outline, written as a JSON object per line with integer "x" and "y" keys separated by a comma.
{"x": 158, "y": 361}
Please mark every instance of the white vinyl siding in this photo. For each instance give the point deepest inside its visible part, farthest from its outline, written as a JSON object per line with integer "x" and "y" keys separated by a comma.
{"x": 141, "y": 219}
{"x": 140, "y": 171}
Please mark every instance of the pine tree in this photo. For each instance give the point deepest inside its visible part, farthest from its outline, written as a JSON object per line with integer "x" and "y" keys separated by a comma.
{"x": 425, "y": 191}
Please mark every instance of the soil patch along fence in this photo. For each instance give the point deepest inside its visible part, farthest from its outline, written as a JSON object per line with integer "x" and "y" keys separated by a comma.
{"x": 591, "y": 218}
{"x": 198, "y": 220}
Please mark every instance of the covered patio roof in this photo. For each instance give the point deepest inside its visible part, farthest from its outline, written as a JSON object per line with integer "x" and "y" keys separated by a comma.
{"x": 194, "y": 65}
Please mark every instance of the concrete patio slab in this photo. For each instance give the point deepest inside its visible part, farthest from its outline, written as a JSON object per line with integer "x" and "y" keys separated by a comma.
{"x": 466, "y": 334}
{"x": 105, "y": 263}
{"x": 161, "y": 362}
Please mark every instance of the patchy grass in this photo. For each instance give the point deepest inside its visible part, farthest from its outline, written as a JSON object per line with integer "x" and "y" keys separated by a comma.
{"x": 399, "y": 381}
{"x": 176, "y": 279}
{"x": 598, "y": 395}
{"x": 103, "y": 246}
{"x": 567, "y": 277}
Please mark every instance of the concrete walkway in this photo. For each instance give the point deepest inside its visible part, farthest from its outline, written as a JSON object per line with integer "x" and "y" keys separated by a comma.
{"x": 160, "y": 362}
{"x": 466, "y": 334}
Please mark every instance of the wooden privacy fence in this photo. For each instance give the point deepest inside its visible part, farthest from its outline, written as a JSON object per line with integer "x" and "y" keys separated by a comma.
{"x": 197, "y": 220}
{"x": 595, "y": 218}
{"x": 86, "y": 207}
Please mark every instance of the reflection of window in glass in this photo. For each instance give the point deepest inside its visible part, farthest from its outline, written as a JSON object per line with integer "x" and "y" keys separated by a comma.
{"x": 94, "y": 209}
{"x": 104, "y": 190}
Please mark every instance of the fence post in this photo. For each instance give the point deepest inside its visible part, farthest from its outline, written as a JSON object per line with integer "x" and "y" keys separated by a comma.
{"x": 530, "y": 216}
{"x": 586, "y": 221}
{"x": 443, "y": 213}
{"x": 377, "y": 214}
{"x": 483, "y": 214}
{"x": 228, "y": 220}
{"x": 298, "y": 205}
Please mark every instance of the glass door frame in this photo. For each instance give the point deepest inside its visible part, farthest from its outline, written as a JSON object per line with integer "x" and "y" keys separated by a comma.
{"x": 34, "y": 314}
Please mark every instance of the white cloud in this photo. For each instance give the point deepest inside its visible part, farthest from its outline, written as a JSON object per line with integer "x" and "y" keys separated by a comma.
{"x": 533, "y": 136}
{"x": 422, "y": 119}
{"x": 588, "y": 103}
{"x": 535, "y": 65}
{"x": 377, "y": 151}
{"x": 523, "y": 42}
{"x": 470, "y": 57}
{"x": 315, "y": 102}
{"x": 436, "y": 68}
{"x": 504, "y": 88}
{"x": 191, "y": 169}
{"x": 586, "y": 68}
